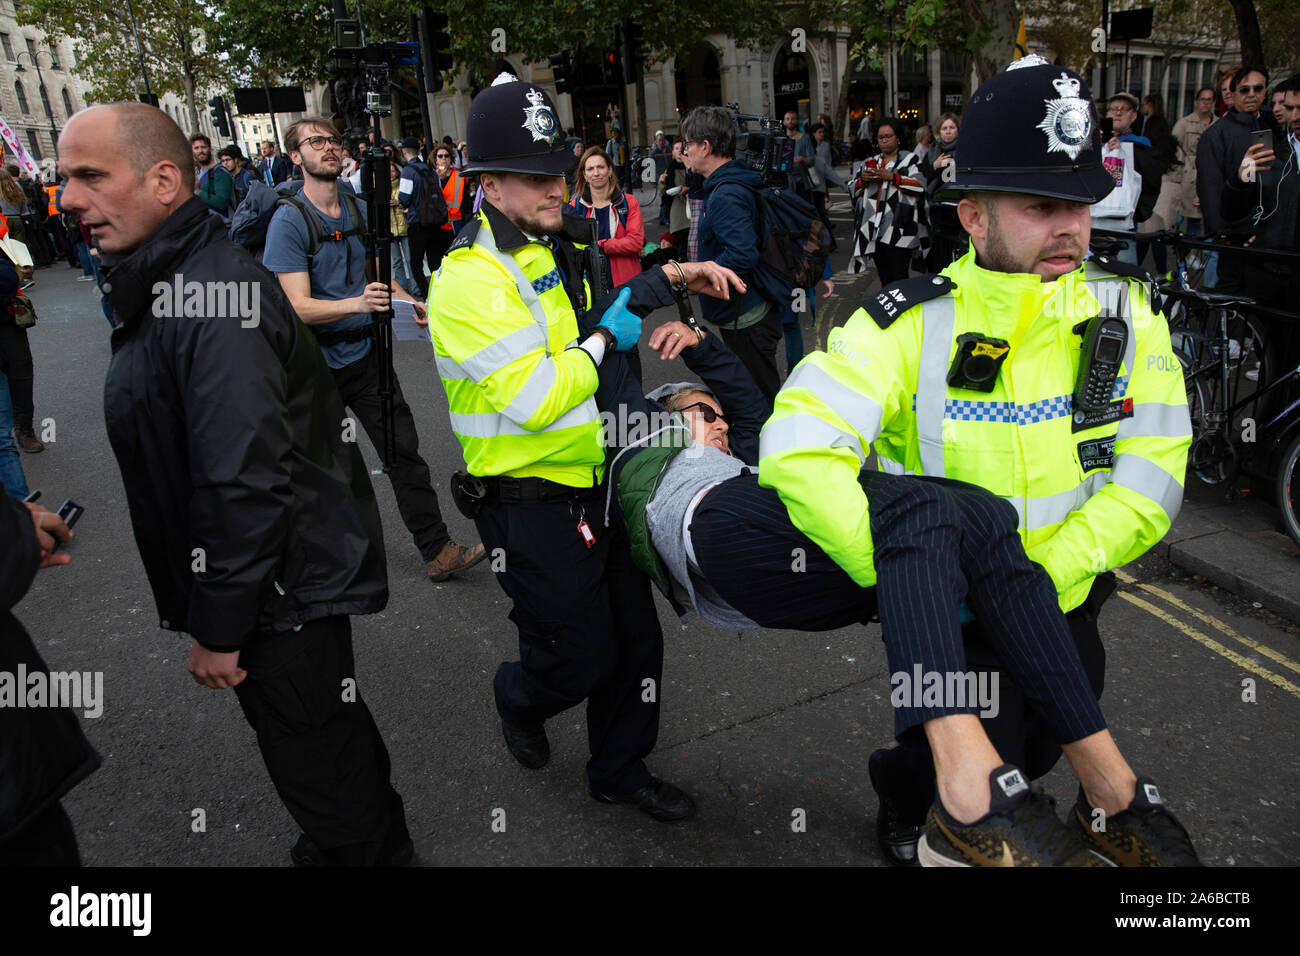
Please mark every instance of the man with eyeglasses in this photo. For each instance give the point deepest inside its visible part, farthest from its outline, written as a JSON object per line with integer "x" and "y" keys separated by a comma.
{"x": 729, "y": 235}
{"x": 1218, "y": 155}
{"x": 334, "y": 296}
{"x": 1137, "y": 172}
{"x": 1264, "y": 191}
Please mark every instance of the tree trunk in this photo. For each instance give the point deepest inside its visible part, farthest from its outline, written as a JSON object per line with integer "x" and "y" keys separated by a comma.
{"x": 187, "y": 78}
{"x": 1252, "y": 45}
{"x": 995, "y": 24}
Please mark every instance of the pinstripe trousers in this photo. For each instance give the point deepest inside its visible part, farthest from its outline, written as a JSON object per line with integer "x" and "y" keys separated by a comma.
{"x": 937, "y": 542}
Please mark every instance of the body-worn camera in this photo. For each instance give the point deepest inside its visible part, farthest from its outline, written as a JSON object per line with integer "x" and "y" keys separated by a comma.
{"x": 977, "y": 362}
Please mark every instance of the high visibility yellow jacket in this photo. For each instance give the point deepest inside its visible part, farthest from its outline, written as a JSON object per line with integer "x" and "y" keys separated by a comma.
{"x": 500, "y": 319}
{"x": 1093, "y": 492}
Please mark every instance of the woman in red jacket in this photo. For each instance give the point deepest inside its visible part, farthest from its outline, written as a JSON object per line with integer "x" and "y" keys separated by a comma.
{"x": 618, "y": 215}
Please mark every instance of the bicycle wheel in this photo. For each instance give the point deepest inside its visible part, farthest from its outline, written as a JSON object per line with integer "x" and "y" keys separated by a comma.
{"x": 1288, "y": 490}
{"x": 1250, "y": 369}
{"x": 1197, "y": 397}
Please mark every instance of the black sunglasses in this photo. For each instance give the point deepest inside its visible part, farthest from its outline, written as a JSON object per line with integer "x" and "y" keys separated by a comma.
{"x": 707, "y": 411}
{"x": 1251, "y": 89}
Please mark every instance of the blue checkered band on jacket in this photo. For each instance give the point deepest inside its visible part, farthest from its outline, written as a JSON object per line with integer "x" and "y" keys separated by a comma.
{"x": 1044, "y": 410}
{"x": 547, "y": 282}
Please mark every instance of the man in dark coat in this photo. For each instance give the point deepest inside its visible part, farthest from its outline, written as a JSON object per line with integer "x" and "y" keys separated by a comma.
{"x": 254, "y": 516}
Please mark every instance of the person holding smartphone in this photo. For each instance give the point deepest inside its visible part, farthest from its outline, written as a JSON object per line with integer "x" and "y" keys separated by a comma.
{"x": 43, "y": 751}
{"x": 1218, "y": 155}
{"x": 1263, "y": 193}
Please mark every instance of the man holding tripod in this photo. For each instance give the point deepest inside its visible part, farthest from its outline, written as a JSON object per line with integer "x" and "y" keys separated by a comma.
{"x": 334, "y": 295}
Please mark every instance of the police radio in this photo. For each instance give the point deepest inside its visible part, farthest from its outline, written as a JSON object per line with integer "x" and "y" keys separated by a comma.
{"x": 1104, "y": 342}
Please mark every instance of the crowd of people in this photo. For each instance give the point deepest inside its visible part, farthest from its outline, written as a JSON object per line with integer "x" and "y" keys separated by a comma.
{"x": 983, "y": 542}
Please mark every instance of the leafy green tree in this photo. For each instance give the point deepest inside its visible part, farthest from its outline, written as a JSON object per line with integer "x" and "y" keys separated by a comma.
{"x": 171, "y": 33}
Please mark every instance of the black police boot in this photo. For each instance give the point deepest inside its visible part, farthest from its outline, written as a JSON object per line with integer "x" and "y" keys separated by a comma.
{"x": 529, "y": 747}
{"x": 307, "y": 853}
{"x": 658, "y": 799}
{"x": 896, "y": 831}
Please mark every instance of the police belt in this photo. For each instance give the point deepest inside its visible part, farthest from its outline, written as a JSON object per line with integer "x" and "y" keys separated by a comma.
{"x": 505, "y": 490}
{"x": 328, "y": 337}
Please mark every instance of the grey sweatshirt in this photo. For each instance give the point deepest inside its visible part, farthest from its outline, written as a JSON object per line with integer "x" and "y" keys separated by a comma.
{"x": 696, "y": 468}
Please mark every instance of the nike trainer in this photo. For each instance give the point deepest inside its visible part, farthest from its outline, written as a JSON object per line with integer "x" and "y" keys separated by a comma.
{"x": 1146, "y": 834}
{"x": 1020, "y": 829}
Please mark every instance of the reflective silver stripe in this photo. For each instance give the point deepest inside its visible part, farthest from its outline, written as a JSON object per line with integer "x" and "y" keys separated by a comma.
{"x": 1149, "y": 480}
{"x": 530, "y": 398}
{"x": 890, "y": 467}
{"x": 1156, "y": 420}
{"x": 938, "y": 319}
{"x": 447, "y": 368}
{"x": 1053, "y": 509}
{"x": 522, "y": 282}
{"x": 494, "y": 357}
{"x": 863, "y": 414}
{"x": 804, "y": 431}
{"x": 492, "y": 425}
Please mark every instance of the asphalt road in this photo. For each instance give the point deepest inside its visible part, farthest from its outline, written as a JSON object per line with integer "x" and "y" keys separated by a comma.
{"x": 756, "y": 727}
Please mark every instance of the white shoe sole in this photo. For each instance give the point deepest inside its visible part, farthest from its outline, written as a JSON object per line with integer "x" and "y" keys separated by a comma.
{"x": 928, "y": 857}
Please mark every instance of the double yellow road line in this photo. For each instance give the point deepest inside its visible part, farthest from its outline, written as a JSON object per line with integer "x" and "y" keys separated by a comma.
{"x": 1204, "y": 639}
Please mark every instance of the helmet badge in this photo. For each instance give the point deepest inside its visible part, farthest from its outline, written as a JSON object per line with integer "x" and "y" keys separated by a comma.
{"x": 1068, "y": 123}
{"x": 538, "y": 118}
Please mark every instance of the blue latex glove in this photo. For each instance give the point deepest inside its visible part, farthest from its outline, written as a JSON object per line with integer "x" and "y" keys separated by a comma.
{"x": 625, "y": 325}
{"x": 964, "y": 613}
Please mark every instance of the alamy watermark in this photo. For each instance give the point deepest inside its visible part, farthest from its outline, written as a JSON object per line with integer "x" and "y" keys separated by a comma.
{"x": 218, "y": 300}
{"x": 82, "y": 690}
{"x": 947, "y": 689}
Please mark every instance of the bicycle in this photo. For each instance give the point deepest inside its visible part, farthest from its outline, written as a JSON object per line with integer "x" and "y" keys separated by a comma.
{"x": 1222, "y": 344}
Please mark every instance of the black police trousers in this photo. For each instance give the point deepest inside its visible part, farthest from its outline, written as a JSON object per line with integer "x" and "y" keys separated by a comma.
{"x": 937, "y": 542}
{"x": 588, "y": 630}
{"x": 417, "y": 502}
{"x": 320, "y": 743}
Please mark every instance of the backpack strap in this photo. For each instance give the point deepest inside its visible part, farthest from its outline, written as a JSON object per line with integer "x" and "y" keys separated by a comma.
{"x": 316, "y": 236}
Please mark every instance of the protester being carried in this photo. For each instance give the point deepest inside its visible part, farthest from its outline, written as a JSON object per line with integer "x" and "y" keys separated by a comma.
{"x": 717, "y": 543}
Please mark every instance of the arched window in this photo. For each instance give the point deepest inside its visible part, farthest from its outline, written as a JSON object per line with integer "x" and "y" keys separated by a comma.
{"x": 67, "y": 102}
{"x": 22, "y": 97}
{"x": 35, "y": 145}
{"x": 45, "y": 101}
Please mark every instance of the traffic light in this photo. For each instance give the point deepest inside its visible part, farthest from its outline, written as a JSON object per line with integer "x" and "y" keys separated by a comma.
{"x": 609, "y": 69}
{"x": 218, "y": 114}
{"x": 560, "y": 67}
{"x": 435, "y": 47}
{"x": 629, "y": 32}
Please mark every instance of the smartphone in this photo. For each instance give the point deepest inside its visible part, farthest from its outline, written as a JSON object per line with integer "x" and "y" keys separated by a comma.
{"x": 1262, "y": 137}
{"x": 1107, "y": 129}
{"x": 69, "y": 511}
